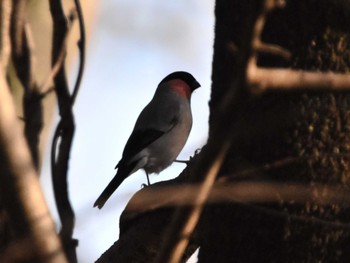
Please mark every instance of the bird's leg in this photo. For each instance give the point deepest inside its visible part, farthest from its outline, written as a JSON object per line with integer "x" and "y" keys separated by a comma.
{"x": 148, "y": 179}
{"x": 148, "y": 183}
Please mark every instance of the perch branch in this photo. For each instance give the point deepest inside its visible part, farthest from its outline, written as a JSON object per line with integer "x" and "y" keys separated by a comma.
{"x": 249, "y": 192}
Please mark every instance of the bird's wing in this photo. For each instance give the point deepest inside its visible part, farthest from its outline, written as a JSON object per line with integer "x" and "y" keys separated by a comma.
{"x": 140, "y": 139}
{"x": 156, "y": 119}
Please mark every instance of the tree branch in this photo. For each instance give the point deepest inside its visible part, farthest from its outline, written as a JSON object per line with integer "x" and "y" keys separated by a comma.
{"x": 245, "y": 191}
{"x": 63, "y": 134}
{"x": 22, "y": 196}
{"x": 262, "y": 79}
{"x": 81, "y": 45}
{"x": 20, "y": 188}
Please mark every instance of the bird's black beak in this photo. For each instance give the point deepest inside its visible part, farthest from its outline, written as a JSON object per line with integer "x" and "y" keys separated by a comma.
{"x": 195, "y": 85}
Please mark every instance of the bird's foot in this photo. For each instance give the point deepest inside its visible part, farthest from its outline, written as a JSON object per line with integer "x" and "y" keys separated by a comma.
{"x": 144, "y": 185}
{"x": 191, "y": 157}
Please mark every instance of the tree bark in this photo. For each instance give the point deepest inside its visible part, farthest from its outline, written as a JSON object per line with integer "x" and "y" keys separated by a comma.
{"x": 309, "y": 127}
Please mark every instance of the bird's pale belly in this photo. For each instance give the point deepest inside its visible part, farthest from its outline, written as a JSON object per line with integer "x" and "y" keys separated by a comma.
{"x": 164, "y": 151}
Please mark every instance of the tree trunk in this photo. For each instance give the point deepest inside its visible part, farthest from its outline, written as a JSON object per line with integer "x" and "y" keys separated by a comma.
{"x": 308, "y": 131}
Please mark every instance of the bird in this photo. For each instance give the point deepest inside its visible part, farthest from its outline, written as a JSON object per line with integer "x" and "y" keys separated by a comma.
{"x": 160, "y": 131}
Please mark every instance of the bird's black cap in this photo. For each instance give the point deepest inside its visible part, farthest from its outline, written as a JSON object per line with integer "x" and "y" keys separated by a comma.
{"x": 184, "y": 76}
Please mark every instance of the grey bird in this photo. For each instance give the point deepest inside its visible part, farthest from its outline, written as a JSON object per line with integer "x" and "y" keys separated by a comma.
{"x": 160, "y": 132}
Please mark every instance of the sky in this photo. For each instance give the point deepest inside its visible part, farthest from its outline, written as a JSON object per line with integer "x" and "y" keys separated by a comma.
{"x": 134, "y": 44}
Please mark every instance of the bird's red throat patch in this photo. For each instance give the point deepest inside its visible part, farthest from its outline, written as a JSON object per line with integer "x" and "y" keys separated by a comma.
{"x": 180, "y": 87}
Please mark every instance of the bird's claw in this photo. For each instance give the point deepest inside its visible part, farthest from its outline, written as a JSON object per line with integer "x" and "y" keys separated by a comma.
{"x": 182, "y": 161}
{"x": 144, "y": 185}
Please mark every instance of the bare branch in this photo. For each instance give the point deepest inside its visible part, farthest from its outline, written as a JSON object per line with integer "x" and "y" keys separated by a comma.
{"x": 22, "y": 195}
{"x": 65, "y": 128}
{"x": 23, "y": 43}
{"x": 6, "y": 9}
{"x": 276, "y": 50}
{"x": 263, "y": 79}
{"x": 23, "y": 59}
{"x": 187, "y": 220}
{"x": 18, "y": 24}
{"x": 45, "y": 87}
{"x": 81, "y": 45}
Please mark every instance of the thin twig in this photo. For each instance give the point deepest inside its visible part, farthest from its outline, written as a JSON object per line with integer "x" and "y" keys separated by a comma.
{"x": 191, "y": 219}
{"x": 46, "y": 86}
{"x": 81, "y": 45}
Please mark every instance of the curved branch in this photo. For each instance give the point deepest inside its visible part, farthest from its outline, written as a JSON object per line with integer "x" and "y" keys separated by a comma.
{"x": 63, "y": 138}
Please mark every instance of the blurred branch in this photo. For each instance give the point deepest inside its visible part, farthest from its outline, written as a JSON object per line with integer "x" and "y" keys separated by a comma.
{"x": 257, "y": 191}
{"x": 263, "y": 79}
{"x": 6, "y": 9}
{"x": 261, "y": 47}
{"x": 22, "y": 196}
{"x": 23, "y": 60}
{"x": 46, "y": 86}
{"x": 185, "y": 219}
{"x": 22, "y": 41}
{"x": 20, "y": 188}
{"x": 18, "y": 24}
{"x": 20, "y": 251}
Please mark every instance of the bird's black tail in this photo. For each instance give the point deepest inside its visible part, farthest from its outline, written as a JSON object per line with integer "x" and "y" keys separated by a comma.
{"x": 111, "y": 187}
